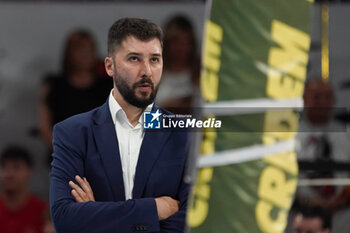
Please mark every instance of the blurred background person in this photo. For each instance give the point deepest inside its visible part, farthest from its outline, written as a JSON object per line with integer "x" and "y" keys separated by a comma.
{"x": 80, "y": 87}
{"x": 321, "y": 139}
{"x": 180, "y": 78}
{"x": 312, "y": 219}
{"x": 20, "y": 211}
{"x": 341, "y": 200}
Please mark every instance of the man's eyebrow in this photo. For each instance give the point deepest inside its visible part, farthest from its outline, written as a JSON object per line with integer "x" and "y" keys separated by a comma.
{"x": 134, "y": 54}
{"x": 139, "y": 54}
{"x": 156, "y": 55}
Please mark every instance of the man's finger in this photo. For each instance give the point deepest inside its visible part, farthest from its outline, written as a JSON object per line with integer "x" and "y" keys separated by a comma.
{"x": 86, "y": 187}
{"x": 76, "y": 187}
{"x": 90, "y": 192}
{"x": 73, "y": 185}
{"x": 83, "y": 184}
{"x": 77, "y": 196}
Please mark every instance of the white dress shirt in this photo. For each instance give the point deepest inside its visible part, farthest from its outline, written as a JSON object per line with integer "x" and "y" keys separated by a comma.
{"x": 129, "y": 141}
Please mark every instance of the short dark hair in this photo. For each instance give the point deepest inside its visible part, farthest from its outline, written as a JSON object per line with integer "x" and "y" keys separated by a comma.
{"x": 311, "y": 211}
{"x": 15, "y": 152}
{"x": 142, "y": 29}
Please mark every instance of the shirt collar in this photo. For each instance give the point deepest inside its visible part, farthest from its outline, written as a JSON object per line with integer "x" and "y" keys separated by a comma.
{"x": 115, "y": 108}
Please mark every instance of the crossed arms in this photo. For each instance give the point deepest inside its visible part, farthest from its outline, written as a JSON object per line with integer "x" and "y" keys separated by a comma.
{"x": 75, "y": 211}
{"x": 166, "y": 206}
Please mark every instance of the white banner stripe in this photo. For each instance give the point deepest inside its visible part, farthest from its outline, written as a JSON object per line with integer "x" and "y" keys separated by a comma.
{"x": 244, "y": 154}
{"x": 236, "y": 107}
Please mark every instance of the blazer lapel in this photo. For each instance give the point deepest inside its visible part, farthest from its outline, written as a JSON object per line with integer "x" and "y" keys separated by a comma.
{"x": 107, "y": 145}
{"x": 152, "y": 144}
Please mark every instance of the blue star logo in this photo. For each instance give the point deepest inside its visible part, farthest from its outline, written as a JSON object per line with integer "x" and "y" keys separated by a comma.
{"x": 152, "y": 120}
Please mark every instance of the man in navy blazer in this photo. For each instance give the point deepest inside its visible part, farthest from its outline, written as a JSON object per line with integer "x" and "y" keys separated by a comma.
{"x": 94, "y": 186}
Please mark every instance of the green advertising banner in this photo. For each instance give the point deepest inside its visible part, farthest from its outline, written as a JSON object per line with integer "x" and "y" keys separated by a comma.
{"x": 255, "y": 54}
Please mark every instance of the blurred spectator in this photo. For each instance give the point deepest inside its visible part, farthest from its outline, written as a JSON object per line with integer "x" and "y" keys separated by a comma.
{"x": 312, "y": 219}
{"x": 20, "y": 211}
{"x": 340, "y": 200}
{"x": 79, "y": 88}
{"x": 179, "y": 83}
{"x": 320, "y": 138}
{"x": 319, "y": 100}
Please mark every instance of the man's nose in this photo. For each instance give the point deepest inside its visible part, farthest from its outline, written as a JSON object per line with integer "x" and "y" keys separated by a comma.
{"x": 146, "y": 69}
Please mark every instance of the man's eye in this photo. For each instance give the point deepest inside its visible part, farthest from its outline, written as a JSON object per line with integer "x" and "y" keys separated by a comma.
{"x": 154, "y": 59}
{"x": 133, "y": 58}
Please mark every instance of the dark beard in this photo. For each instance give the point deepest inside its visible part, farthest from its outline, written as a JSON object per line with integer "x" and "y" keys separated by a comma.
{"x": 129, "y": 94}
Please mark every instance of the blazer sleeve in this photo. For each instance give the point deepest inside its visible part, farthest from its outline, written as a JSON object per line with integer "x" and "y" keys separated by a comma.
{"x": 104, "y": 217}
{"x": 177, "y": 222}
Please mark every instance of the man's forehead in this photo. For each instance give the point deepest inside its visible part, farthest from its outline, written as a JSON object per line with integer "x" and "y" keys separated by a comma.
{"x": 135, "y": 45}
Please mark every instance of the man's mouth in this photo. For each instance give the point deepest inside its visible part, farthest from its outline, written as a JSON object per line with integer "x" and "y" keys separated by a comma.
{"x": 145, "y": 86}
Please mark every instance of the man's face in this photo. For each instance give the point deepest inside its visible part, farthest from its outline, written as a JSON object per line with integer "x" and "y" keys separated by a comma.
{"x": 180, "y": 46}
{"x": 136, "y": 68}
{"x": 319, "y": 94}
{"x": 83, "y": 54}
{"x": 308, "y": 225}
{"x": 318, "y": 100}
{"x": 14, "y": 175}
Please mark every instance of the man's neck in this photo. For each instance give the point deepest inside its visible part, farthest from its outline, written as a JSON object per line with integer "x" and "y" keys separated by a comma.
{"x": 14, "y": 200}
{"x": 132, "y": 113}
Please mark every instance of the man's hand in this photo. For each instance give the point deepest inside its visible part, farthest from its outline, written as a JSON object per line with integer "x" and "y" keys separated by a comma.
{"x": 82, "y": 193}
{"x": 166, "y": 206}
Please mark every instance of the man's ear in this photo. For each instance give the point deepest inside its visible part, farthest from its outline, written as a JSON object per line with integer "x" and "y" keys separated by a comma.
{"x": 109, "y": 66}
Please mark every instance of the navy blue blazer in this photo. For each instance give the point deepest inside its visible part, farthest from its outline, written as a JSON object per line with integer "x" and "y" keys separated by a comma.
{"x": 86, "y": 145}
